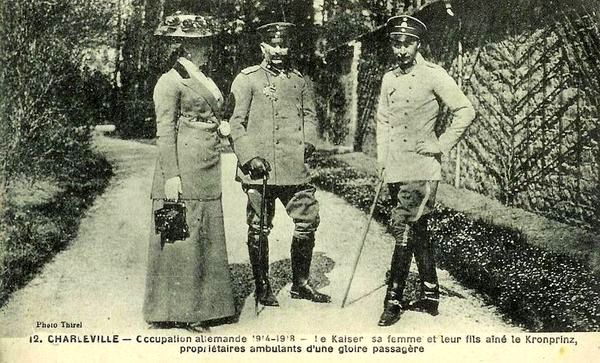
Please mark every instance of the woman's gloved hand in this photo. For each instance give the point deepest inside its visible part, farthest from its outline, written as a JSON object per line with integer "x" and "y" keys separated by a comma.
{"x": 173, "y": 188}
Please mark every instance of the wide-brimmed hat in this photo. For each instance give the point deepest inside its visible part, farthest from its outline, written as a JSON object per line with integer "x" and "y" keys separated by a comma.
{"x": 187, "y": 26}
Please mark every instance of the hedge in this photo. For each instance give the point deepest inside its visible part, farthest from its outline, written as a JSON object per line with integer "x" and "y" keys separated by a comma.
{"x": 540, "y": 290}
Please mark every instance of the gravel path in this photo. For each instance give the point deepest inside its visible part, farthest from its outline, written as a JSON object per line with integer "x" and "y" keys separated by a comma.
{"x": 99, "y": 279}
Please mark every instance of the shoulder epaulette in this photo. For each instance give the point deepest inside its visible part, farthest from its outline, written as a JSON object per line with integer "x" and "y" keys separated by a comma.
{"x": 390, "y": 69}
{"x": 431, "y": 64}
{"x": 250, "y": 69}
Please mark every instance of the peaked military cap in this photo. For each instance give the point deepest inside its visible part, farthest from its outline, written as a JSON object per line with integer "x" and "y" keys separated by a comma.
{"x": 406, "y": 25}
{"x": 187, "y": 26}
{"x": 276, "y": 33}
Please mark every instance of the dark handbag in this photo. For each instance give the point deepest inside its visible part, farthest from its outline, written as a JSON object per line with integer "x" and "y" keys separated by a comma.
{"x": 170, "y": 222}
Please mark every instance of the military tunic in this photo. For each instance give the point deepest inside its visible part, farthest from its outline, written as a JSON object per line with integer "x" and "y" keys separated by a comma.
{"x": 407, "y": 112}
{"x": 274, "y": 116}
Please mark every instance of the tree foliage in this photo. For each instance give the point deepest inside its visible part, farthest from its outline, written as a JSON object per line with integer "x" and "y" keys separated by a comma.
{"x": 145, "y": 57}
{"x": 48, "y": 172}
{"x": 43, "y": 82}
{"x": 531, "y": 69}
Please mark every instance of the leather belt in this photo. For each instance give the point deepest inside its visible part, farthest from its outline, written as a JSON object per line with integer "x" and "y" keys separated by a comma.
{"x": 195, "y": 122}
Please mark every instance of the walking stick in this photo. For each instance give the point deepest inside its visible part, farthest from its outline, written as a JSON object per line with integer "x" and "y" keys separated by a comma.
{"x": 261, "y": 234}
{"x": 364, "y": 237}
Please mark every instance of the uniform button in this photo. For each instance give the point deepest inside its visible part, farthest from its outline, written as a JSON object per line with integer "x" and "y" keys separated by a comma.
{"x": 406, "y": 114}
{"x": 277, "y": 127}
{"x": 276, "y": 141}
{"x": 392, "y": 127}
{"x": 407, "y": 101}
{"x": 405, "y": 127}
{"x": 300, "y": 128}
{"x": 276, "y": 113}
{"x": 404, "y": 140}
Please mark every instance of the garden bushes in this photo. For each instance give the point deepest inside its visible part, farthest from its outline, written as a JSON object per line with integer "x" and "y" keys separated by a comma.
{"x": 543, "y": 291}
{"x": 535, "y": 288}
{"x": 50, "y": 100}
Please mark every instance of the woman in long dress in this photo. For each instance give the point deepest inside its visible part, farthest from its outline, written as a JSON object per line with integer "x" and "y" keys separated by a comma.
{"x": 188, "y": 282}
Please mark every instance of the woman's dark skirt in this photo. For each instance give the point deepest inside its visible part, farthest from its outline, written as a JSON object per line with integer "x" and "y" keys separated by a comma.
{"x": 189, "y": 281}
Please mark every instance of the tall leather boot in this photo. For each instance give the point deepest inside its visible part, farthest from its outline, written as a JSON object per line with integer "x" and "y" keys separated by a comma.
{"x": 258, "y": 250}
{"x": 396, "y": 280}
{"x": 301, "y": 256}
{"x": 425, "y": 258}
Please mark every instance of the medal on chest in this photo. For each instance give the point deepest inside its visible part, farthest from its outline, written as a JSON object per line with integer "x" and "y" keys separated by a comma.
{"x": 269, "y": 92}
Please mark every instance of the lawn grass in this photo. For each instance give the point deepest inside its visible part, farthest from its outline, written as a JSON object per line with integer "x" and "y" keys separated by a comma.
{"x": 40, "y": 220}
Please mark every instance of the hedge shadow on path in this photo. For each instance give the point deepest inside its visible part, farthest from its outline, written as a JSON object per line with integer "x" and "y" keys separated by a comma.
{"x": 280, "y": 274}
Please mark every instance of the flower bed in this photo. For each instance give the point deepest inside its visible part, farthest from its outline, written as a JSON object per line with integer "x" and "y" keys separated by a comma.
{"x": 540, "y": 290}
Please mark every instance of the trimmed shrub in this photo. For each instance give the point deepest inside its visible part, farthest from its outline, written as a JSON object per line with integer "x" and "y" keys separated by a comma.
{"x": 540, "y": 290}
{"x": 543, "y": 291}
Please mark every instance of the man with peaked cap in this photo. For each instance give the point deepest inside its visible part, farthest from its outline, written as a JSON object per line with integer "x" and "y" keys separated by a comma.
{"x": 409, "y": 155}
{"x": 274, "y": 129}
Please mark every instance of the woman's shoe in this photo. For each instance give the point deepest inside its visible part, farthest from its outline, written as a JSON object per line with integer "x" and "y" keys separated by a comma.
{"x": 161, "y": 325}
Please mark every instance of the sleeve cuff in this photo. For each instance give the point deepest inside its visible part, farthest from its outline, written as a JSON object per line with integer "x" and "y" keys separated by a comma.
{"x": 244, "y": 150}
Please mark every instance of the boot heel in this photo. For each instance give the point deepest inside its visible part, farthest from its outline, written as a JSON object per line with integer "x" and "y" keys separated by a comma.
{"x": 306, "y": 292}
{"x": 265, "y": 295}
{"x": 392, "y": 308}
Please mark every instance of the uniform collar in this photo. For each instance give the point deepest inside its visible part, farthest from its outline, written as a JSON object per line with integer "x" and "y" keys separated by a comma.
{"x": 274, "y": 70}
{"x": 416, "y": 62}
{"x": 398, "y": 71}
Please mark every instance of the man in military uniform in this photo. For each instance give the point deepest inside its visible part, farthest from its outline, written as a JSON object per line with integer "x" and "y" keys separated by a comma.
{"x": 409, "y": 155}
{"x": 274, "y": 128}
